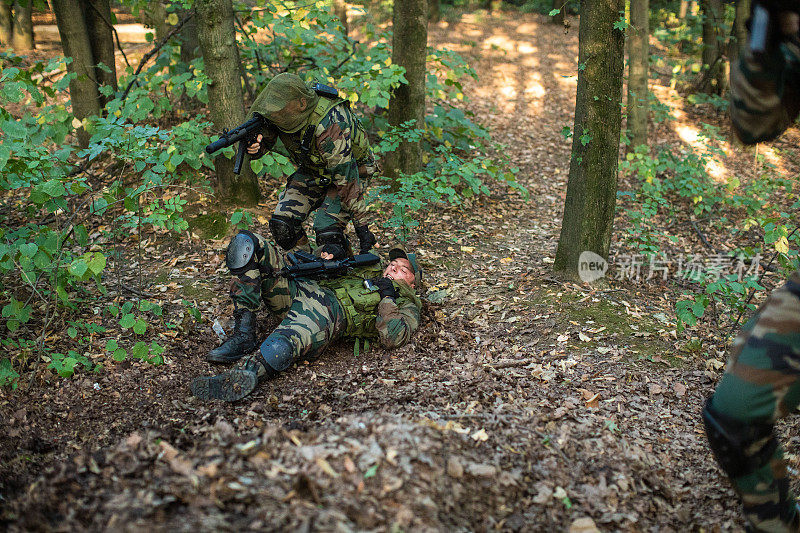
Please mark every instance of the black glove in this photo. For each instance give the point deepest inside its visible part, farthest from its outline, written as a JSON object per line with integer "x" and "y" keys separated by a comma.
{"x": 335, "y": 250}
{"x": 385, "y": 288}
{"x": 366, "y": 240}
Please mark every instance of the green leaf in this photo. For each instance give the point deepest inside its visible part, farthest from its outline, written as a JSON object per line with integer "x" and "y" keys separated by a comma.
{"x": 127, "y": 321}
{"x": 53, "y": 188}
{"x": 256, "y": 165}
{"x": 554, "y": 12}
{"x": 140, "y": 349}
{"x": 119, "y": 354}
{"x": 111, "y": 345}
{"x": 78, "y": 268}
{"x": 29, "y": 249}
{"x": 97, "y": 263}
{"x": 140, "y": 327}
{"x": 72, "y": 332}
{"x": 371, "y": 471}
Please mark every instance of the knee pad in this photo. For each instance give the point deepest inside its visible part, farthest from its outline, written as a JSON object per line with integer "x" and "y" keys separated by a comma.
{"x": 731, "y": 441}
{"x": 286, "y": 231}
{"x": 277, "y": 353}
{"x": 244, "y": 253}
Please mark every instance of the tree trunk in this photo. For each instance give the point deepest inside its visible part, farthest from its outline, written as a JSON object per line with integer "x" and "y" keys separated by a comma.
{"x": 190, "y": 46}
{"x": 592, "y": 184}
{"x": 98, "y": 24}
{"x": 684, "y": 9}
{"x": 218, "y": 44}
{"x": 434, "y": 10}
{"x": 638, "y": 52}
{"x": 409, "y": 49}
{"x": 561, "y": 5}
{"x": 5, "y": 23}
{"x": 22, "y": 26}
{"x": 154, "y": 15}
{"x": 75, "y": 43}
{"x": 739, "y": 27}
{"x": 340, "y": 11}
{"x": 713, "y": 74}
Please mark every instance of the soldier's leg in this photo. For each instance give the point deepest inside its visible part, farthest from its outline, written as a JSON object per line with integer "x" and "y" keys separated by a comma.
{"x": 761, "y": 384}
{"x": 314, "y": 320}
{"x": 330, "y": 223}
{"x": 300, "y": 197}
{"x": 251, "y": 260}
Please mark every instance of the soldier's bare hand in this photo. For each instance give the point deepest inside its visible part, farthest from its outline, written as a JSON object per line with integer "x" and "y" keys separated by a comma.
{"x": 255, "y": 146}
{"x": 326, "y": 256}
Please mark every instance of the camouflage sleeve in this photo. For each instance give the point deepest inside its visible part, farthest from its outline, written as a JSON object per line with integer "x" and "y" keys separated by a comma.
{"x": 396, "y": 323}
{"x": 335, "y": 144}
{"x": 764, "y": 98}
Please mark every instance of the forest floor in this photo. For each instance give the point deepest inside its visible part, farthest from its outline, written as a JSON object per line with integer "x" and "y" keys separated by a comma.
{"x": 522, "y": 403}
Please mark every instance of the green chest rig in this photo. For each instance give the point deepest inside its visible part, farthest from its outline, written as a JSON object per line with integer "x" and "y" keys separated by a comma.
{"x": 360, "y": 304}
{"x": 303, "y": 149}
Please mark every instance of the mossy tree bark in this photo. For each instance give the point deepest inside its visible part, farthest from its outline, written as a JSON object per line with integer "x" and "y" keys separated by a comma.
{"x": 592, "y": 185}
{"x": 22, "y": 25}
{"x": 215, "y": 29}
{"x": 98, "y": 24}
{"x": 6, "y": 23}
{"x": 713, "y": 79}
{"x": 190, "y": 45}
{"x": 76, "y": 44}
{"x": 740, "y": 27}
{"x": 409, "y": 50}
{"x": 638, "y": 53}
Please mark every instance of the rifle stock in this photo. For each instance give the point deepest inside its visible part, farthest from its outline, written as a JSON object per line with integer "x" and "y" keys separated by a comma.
{"x": 320, "y": 268}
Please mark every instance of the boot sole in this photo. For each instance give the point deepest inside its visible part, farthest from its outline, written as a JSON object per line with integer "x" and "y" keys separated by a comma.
{"x": 229, "y": 387}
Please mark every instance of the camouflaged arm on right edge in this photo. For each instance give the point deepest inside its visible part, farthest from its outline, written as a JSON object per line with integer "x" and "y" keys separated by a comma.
{"x": 396, "y": 322}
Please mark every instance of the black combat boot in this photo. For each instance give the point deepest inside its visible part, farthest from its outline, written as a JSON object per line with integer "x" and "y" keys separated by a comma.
{"x": 239, "y": 382}
{"x": 241, "y": 342}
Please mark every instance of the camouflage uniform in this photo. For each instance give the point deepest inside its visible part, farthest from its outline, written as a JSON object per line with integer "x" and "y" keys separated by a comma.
{"x": 334, "y": 163}
{"x": 313, "y": 315}
{"x": 761, "y": 384}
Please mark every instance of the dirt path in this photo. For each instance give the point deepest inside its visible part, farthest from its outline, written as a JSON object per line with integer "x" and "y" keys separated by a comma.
{"x": 522, "y": 404}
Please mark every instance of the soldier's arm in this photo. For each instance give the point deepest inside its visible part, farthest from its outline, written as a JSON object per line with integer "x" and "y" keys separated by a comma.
{"x": 396, "y": 323}
{"x": 765, "y": 90}
{"x": 269, "y": 136}
{"x": 334, "y": 141}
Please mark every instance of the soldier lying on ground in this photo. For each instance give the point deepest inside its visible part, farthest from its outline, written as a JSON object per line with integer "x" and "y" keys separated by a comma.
{"x": 326, "y": 141}
{"x": 761, "y": 384}
{"x": 317, "y": 312}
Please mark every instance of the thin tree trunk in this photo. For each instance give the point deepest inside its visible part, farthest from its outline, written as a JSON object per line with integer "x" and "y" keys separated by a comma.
{"x": 434, "y": 10}
{"x": 561, "y": 5}
{"x": 638, "y": 53}
{"x": 215, "y": 29}
{"x": 340, "y": 11}
{"x": 98, "y": 25}
{"x": 592, "y": 184}
{"x": 739, "y": 25}
{"x": 6, "y": 24}
{"x": 75, "y": 43}
{"x": 713, "y": 79}
{"x": 190, "y": 46}
{"x": 22, "y": 27}
{"x": 684, "y": 9}
{"x": 409, "y": 49}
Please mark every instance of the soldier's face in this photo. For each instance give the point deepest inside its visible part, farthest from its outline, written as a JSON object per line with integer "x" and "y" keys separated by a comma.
{"x": 400, "y": 270}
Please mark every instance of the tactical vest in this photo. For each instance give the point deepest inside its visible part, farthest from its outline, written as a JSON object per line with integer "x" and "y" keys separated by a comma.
{"x": 303, "y": 149}
{"x": 360, "y": 305}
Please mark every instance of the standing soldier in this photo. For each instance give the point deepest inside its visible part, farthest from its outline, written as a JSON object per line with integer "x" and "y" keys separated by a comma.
{"x": 315, "y": 313}
{"x": 761, "y": 383}
{"x": 334, "y": 162}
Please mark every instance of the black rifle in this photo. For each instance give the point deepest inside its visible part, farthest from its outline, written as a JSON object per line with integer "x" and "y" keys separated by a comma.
{"x": 243, "y": 134}
{"x": 305, "y": 265}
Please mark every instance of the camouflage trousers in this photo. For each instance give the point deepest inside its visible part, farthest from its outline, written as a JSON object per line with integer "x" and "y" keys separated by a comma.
{"x": 761, "y": 384}
{"x": 312, "y": 316}
{"x": 303, "y": 195}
